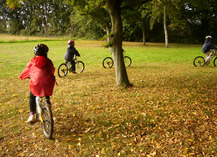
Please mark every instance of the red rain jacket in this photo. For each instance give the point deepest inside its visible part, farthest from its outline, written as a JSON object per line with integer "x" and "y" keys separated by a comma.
{"x": 41, "y": 70}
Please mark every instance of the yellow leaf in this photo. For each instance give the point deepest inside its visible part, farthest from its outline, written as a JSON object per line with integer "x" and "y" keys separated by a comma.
{"x": 20, "y": 111}
{"x": 11, "y": 142}
{"x": 14, "y": 95}
{"x": 190, "y": 140}
{"x": 21, "y": 154}
{"x": 103, "y": 151}
{"x": 70, "y": 146}
{"x": 153, "y": 153}
{"x": 185, "y": 151}
{"x": 86, "y": 94}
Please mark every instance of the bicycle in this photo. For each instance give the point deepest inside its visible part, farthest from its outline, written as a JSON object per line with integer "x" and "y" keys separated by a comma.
{"x": 108, "y": 62}
{"x": 200, "y": 61}
{"x": 45, "y": 116}
{"x": 64, "y": 68}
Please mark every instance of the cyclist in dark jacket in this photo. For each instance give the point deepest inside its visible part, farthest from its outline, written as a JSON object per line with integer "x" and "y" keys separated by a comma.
{"x": 70, "y": 53}
{"x": 208, "y": 47}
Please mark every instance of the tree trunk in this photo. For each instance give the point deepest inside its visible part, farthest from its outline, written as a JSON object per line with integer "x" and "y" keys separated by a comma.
{"x": 143, "y": 32}
{"x": 107, "y": 32}
{"x": 120, "y": 69}
{"x": 45, "y": 26}
{"x": 165, "y": 27}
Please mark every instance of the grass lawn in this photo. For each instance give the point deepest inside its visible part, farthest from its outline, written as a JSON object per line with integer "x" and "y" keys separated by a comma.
{"x": 169, "y": 111}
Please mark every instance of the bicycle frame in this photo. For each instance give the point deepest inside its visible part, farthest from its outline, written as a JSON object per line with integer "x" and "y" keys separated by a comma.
{"x": 38, "y": 105}
{"x": 212, "y": 55}
{"x": 69, "y": 63}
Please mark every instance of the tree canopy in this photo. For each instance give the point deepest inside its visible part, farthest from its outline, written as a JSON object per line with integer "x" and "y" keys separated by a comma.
{"x": 188, "y": 21}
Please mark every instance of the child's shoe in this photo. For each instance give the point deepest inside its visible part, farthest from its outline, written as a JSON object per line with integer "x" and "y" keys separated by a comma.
{"x": 31, "y": 119}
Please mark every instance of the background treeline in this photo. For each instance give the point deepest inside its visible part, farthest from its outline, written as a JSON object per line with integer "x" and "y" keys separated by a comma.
{"x": 187, "y": 21}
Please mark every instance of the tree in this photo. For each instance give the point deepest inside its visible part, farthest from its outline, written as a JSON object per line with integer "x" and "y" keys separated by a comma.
{"x": 60, "y": 17}
{"x": 95, "y": 9}
{"x": 120, "y": 69}
{"x": 168, "y": 10}
{"x": 136, "y": 16}
{"x": 202, "y": 18}
{"x": 3, "y": 16}
{"x": 96, "y": 12}
{"x": 114, "y": 7}
{"x": 165, "y": 26}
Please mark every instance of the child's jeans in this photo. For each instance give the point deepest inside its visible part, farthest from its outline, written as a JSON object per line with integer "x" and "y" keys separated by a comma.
{"x": 32, "y": 102}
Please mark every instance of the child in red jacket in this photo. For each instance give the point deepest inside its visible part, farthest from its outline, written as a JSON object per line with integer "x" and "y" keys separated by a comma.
{"x": 41, "y": 71}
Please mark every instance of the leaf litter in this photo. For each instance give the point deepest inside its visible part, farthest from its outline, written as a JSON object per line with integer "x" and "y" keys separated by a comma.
{"x": 167, "y": 112}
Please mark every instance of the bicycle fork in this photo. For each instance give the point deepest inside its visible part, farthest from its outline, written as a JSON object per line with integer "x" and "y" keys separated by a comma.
{"x": 38, "y": 102}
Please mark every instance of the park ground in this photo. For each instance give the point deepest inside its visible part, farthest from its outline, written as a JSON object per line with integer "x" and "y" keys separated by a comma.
{"x": 169, "y": 111}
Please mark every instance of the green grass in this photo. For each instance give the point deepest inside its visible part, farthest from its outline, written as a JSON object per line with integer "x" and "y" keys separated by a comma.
{"x": 169, "y": 111}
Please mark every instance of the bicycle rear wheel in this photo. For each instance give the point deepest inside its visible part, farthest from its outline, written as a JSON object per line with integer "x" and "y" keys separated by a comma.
{"x": 48, "y": 123}
{"x": 107, "y": 62}
{"x": 199, "y": 61}
{"x": 215, "y": 62}
{"x": 127, "y": 61}
{"x": 79, "y": 67}
{"x": 62, "y": 70}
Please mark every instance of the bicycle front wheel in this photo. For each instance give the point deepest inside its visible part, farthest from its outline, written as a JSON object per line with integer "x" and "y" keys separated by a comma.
{"x": 127, "y": 61}
{"x": 48, "y": 123}
{"x": 62, "y": 70}
{"x": 79, "y": 67}
{"x": 107, "y": 62}
{"x": 215, "y": 62}
{"x": 199, "y": 61}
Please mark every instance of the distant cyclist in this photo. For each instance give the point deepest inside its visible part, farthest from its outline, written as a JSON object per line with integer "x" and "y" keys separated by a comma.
{"x": 70, "y": 53}
{"x": 208, "y": 47}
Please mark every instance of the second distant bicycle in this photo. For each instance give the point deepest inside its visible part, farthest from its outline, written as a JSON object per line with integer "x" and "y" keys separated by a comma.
{"x": 108, "y": 62}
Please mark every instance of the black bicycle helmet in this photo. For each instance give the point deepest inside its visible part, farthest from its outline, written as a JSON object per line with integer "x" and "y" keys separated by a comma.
{"x": 41, "y": 49}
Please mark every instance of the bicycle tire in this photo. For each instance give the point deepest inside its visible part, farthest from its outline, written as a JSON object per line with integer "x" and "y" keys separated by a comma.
{"x": 62, "y": 70}
{"x": 215, "y": 62}
{"x": 107, "y": 62}
{"x": 127, "y": 61}
{"x": 48, "y": 123}
{"x": 79, "y": 67}
{"x": 199, "y": 61}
